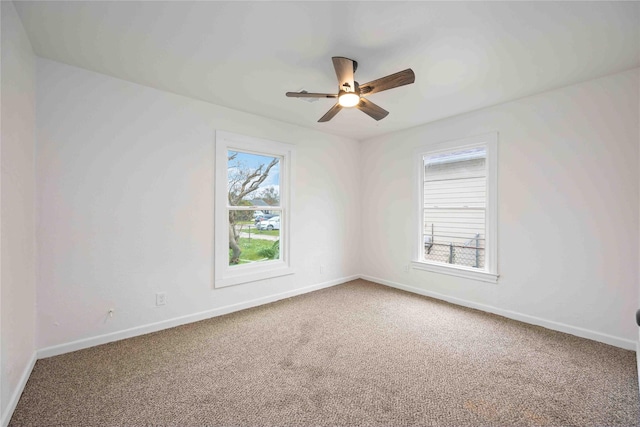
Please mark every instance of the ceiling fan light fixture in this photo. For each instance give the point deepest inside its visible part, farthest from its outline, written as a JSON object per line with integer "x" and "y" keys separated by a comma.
{"x": 348, "y": 99}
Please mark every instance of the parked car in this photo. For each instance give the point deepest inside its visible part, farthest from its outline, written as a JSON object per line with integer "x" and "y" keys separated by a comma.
{"x": 256, "y": 214}
{"x": 263, "y": 217}
{"x": 270, "y": 224}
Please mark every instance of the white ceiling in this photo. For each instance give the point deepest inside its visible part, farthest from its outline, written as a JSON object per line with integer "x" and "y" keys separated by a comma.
{"x": 246, "y": 55}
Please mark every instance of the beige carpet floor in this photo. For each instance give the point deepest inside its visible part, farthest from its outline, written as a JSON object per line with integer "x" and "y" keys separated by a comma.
{"x": 357, "y": 354}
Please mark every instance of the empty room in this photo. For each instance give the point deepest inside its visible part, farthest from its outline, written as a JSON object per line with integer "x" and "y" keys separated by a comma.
{"x": 256, "y": 213}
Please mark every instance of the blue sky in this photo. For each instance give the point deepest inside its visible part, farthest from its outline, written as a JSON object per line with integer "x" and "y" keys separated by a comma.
{"x": 253, "y": 161}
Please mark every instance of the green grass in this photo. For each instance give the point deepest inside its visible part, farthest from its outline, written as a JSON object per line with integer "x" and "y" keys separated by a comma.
{"x": 263, "y": 232}
{"x": 251, "y": 249}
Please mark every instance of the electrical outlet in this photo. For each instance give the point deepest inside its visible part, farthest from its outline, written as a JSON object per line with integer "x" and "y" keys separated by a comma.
{"x": 321, "y": 268}
{"x": 405, "y": 268}
{"x": 161, "y": 298}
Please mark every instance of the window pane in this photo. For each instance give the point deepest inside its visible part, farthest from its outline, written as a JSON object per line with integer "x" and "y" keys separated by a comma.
{"x": 252, "y": 196}
{"x": 253, "y": 237}
{"x": 455, "y": 189}
{"x": 253, "y": 180}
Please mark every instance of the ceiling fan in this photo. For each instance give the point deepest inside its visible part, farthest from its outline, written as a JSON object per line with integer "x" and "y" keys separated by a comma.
{"x": 351, "y": 94}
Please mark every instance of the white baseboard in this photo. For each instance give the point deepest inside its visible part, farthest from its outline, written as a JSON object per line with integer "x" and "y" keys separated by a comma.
{"x": 177, "y": 321}
{"x": 15, "y": 397}
{"x": 549, "y": 324}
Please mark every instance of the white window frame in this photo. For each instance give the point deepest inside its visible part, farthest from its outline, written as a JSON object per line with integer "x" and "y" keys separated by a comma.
{"x": 490, "y": 271}
{"x": 225, "y": 275}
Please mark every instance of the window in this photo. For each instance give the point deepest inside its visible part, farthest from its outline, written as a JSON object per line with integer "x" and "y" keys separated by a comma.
{"x": 252, "y": 213}
{"x": 456, "y": 208}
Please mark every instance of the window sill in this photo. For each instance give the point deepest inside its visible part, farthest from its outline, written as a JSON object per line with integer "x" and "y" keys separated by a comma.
{"x": 244, "y": 274}
{"x": 458, "y": 271}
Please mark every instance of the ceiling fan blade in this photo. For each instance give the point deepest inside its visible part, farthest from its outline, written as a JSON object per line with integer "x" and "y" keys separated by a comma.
{"x": 304, "y": 94}
{"x": 332, "y": 112}
{"x": 372, "y": 109}
{"x": 345, "y": 68}
{"x": 400, "y": 78}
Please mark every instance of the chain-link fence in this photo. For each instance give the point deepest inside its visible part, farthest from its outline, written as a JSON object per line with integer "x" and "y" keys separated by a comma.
{"x": 470, "y": 254}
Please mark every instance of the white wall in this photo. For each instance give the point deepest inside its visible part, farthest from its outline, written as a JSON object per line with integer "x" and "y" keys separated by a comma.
{"x": 17, "y": 218}
{"x": 638, "y": 265}
{"x": 568, "y": 208}
{"x": 125, "y": 193}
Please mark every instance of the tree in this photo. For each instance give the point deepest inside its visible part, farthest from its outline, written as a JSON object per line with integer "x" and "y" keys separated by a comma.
{"x": 270, "y": 195}
{"x": 243, "y": 181}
